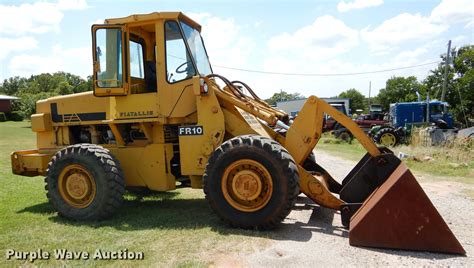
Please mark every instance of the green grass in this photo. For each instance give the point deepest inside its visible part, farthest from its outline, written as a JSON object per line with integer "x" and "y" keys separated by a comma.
{"x": 172, "y": 229}
{"x": 457, "y": 163}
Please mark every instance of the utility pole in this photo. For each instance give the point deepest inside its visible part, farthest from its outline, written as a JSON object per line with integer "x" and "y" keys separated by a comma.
{"x": 370, "y": 87}
{"x": 428, "y": 107}
{"x": 446, "y": 67}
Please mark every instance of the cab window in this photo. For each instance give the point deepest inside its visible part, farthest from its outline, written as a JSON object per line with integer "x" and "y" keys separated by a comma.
{"x": 136, "y": 60}
{"x": 109, "y": 58}
{"x": 436, "y": 109}
{"x": 179, "y": 65}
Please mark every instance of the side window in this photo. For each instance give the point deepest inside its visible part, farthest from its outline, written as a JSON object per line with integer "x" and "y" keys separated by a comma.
{"x": 136, "y": 60}
{"x": 109, "y": 58}
{"x": 436, "y": 109}
{"x": 179, "y": 65}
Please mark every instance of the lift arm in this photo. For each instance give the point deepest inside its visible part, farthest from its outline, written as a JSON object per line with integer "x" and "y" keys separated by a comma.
{"x": 306, "y": 130}
{"x": 301, "y": 139}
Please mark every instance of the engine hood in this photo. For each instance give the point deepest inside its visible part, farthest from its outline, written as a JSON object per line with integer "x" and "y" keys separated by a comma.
{"x": 77, "y": 107}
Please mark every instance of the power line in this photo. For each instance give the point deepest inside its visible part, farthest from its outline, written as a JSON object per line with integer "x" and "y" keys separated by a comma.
{"x": 328, "y": 74}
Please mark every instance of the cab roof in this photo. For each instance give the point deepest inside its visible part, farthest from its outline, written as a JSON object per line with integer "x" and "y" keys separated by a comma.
{"x": 155, "y": 16}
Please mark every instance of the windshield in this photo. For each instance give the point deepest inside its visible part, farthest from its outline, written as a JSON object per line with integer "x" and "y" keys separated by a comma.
{"x": 436, "y": 109}
{"x": 194, "y": 40}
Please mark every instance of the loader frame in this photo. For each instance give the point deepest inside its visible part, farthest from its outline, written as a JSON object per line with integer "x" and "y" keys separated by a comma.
{"x": 165, "y": 137}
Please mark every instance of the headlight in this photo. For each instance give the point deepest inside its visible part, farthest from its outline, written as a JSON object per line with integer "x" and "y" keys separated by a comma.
{"x": 204, "y": 87}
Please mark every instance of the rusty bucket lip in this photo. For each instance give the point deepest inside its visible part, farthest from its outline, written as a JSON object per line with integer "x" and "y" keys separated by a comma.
{"x": 432, "y": 233}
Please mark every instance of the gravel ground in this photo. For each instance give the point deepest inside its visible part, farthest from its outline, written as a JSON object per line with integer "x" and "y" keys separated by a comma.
{"x": 313, "y": 236}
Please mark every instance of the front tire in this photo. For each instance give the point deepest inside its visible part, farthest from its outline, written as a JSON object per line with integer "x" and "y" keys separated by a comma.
{"x": 85, "y": 182}
{"x": 251, "y": 182}
{"x": 387, "y": 137}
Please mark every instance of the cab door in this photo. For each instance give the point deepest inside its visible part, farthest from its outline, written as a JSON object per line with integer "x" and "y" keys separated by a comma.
{"x": 109, "y": 60}
{"x": 175, "y": 90}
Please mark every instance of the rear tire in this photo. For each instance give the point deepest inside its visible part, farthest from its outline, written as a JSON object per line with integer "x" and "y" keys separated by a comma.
{"x": 272, "y": 170}
{"x": 345, "y": 136}
{"x": 85, "y": 182}
{"x": 387, "y": 137}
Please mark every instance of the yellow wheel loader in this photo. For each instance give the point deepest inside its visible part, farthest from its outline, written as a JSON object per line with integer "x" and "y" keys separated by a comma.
{"x": 159, "y": 117}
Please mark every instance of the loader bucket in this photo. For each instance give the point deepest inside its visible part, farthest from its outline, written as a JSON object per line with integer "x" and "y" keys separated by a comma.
{"x": 379, "y": 200}
{"x": 385, "y": 207}
{"x": 399, "y": 215}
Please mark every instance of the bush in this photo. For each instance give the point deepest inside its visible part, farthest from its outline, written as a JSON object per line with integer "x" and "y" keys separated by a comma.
{"x": 3, "y": 117}
{"x": 15, "y": 116}
{"x": 28, "y": 102}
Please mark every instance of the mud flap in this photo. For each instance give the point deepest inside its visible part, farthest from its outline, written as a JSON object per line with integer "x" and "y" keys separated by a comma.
{"x": 399, "y": 215}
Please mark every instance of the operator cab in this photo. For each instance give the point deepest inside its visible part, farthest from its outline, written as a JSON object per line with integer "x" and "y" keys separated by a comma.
{"x": 152, "y": 60}
{"x": 127, "y": 57}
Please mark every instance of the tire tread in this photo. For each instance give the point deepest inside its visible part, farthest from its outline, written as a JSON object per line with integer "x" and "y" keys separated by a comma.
{"x": 274, "y": 149}
{"x": 113, "y": 174}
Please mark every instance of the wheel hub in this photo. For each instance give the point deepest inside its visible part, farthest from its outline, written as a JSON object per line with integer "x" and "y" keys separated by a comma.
{"x": 388, "y": 139}
{"x": 247, "y": 185}
{"x": 76, "y": 186}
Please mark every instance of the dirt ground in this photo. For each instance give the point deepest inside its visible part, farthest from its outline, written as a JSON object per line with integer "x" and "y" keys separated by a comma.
{"x": 313, "y": 236}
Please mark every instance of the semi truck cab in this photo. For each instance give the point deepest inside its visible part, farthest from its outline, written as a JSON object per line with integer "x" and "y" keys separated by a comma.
{"x": 403, "y": 113}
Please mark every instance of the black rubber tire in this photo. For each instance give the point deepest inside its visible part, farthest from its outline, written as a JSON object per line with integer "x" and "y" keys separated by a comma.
{"x": 346, "y": 136}
{"x": 276, "y": 159}
{"x": 381, "y": 132}
{"x": 108, "y": 177}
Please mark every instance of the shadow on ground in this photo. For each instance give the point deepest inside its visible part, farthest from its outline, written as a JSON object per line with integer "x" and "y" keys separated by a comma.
{"x": 164, "y": 211}
{"x": 320, "y": 221}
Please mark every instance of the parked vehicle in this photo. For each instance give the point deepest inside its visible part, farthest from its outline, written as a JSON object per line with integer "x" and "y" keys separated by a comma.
{"x": 376, "y": 108}
{"x": 416, "y": 112}
{"x": 403, "y": 116}
{"x": 329, "y": 122}
{"x": 370, "y": 120}
{"x": 366, "y": 122}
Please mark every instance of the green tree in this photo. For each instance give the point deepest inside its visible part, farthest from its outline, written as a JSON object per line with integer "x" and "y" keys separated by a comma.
{"x": 283, "y": 96}
{"x": 357, "y": 99}
{"x": 42, "y": 86}
{"x": 27, "y": 105}
{"x": 77, "y": 84}
{"x": 464, "y": 67}
{"x": 85, "y": 85}
{"x": 12, "y": 85}
{"x": 399, "y": 89}
{"x": 460, "y": 82}
{"x": 65, "y": 88}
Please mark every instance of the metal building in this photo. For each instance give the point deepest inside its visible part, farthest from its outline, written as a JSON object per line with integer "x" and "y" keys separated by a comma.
{"x": 6, "y": 103}
{"x": 292, "y": 107}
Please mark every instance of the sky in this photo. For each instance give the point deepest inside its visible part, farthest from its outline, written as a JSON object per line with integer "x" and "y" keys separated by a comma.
{"x": 315, "y": 38}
